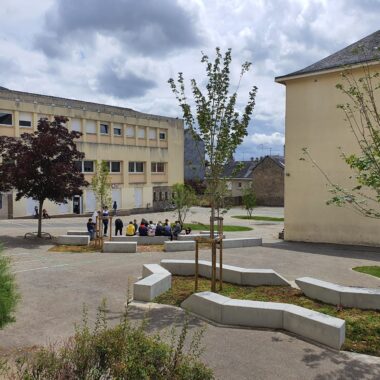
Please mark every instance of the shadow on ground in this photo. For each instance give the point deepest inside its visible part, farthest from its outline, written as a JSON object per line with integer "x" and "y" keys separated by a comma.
{"x": 21, "y": 242}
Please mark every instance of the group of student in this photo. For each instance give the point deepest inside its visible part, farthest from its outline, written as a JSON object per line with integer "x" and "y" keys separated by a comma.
{"x": 145, "y": 228}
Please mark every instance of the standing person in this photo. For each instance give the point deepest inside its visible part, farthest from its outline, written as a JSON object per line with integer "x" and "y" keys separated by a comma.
{"x": 91, "y": 229}
{"x": 177, "y": 230}
{"x": 119, "y": 226}
{"x": 105, "y": 215}
{"x": 36, "y": 212}
{"x": 114, "y": 206}
{"x": 136, "y": 225}
{"x": 131, "y": 229}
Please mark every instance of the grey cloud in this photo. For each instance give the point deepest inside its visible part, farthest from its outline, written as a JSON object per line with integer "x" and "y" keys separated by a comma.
{"x": 127, "y": 86}
{"x": 150, "y": 27}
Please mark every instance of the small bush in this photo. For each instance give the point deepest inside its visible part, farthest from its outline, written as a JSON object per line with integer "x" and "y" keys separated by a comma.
{"x": 8, "y": 292}
{"x": 121, "y": 352}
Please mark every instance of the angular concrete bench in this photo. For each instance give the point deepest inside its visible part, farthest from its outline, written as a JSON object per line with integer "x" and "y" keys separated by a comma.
{"x": 77, "y": 233}
{"x": 142, "y": 240}
{"x": 73, "y": 239}
{"x": 119, "y": 247}
{"x": 361, "y": 298}
{"x": 232, "y": 274}
{"x": 156, "y": 280}
{"x": 192, "y": 237}
{"x": 242, "y": 242}
{"x": 298, "y": 320}
{"x": 175, "y": 245}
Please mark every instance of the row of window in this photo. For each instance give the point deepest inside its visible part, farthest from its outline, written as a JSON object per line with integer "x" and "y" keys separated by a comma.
{"x": 25, "y": 120}
{"x": 115, "y": 166}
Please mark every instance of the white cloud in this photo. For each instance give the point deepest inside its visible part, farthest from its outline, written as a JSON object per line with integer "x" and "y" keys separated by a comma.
{"x": 273, "y": 139}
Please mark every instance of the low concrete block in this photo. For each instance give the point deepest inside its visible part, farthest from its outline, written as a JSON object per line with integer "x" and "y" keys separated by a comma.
{"x": 320, "y": 290}
{"x": 119, "y": 247}
{"x": 231, "y": 273}
{"x": 361, "y": 298}
{"x": 78, "y": 233}
{"x": 253, "y": 314}
{"x": 175, "y": 246}
{"x": 241, "y": 242}
{"x": 142, "y": 240}
{"x": 149, "y": 269}
{"x": 190, "y": 237}
{"x": 151, "y": 287}
{"x": 316, "y": 326}
{"x": 73, "y": 240}
{"x": 206, "y": 304}
{"x": 258, "y": 277}
{"x": 180, "y": 267}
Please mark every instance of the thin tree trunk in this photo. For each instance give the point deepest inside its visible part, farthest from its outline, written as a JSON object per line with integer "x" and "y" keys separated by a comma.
{"x": 40, "y": 219}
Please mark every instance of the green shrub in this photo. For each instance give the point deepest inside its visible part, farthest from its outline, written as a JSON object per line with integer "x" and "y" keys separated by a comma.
{"x": 125, "y": 351}
{"x": 8, "y": 292}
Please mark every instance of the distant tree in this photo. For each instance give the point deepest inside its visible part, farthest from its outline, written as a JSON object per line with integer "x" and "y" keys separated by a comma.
{"x": 101, "y": 184}
{"x": 216, "y": 120}
{"x": 183, "y": 198}
{"x": 249, "y": 200}
{"x": 42, "y": 165}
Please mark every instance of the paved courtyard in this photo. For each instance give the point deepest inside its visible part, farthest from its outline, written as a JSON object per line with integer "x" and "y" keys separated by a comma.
{"x": 54, "y": 287}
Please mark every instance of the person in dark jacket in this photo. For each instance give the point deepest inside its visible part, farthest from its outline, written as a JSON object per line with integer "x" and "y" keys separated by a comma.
{"x": 143, "y": 230}
{"x": 119, "y": 226}
{"x": 177, "y": 230}
{"x": 159, "y": 229}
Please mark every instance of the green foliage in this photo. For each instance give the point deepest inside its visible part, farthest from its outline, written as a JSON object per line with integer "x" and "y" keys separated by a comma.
{"x": 9, "y": 295}
{"x": 249, "y": 200}
{"x": 125, "y": 351}
{"x": 372, "y": 270}
{"x": 101, "y": 184}
{"x": 215, "y": 119}
{"x": 183, "y": 198}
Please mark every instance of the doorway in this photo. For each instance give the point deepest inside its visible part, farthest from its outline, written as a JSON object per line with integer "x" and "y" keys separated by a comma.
{"x": 77, "y": 204}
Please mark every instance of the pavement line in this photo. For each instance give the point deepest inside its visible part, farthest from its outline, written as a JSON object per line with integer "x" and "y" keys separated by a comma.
{"x": 29, "y": 270}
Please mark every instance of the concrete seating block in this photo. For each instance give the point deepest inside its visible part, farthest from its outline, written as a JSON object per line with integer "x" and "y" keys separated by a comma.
{"x": 231, "y": 273}
{"x": 149, "y": 269}
{"x": 361, "y": 298}
{"x": 83, "y": 233}
{"x": 174, "y": 246}
{"x": 258, "y": 277}
{"x": 206, "y": 304}
{"x": 320, "y": 290}
{"x": 179, "y": 267}
{"x": 73, "y": 239}
{"x": 119, "y": 247}
{"x": 151, "y": 287}
{"x": 315, "y": 326}
{"x": 241, "y": 242}
{"x": 189, "y": 237}
{"x": 142, "y": 240}
{"x": 253, "y": 314}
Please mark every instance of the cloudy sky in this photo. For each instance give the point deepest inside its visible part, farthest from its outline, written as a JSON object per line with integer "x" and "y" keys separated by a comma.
{"x": 122, "y": 52}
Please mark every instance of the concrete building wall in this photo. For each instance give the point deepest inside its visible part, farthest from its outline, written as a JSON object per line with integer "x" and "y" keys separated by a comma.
{"x": 313, "y": 121}
{"x": 143, "y": 138}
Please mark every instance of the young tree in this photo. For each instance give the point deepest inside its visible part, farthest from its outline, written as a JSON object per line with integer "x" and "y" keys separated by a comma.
{"x": 363, "y": 118}
{"x": 249, "y": 200}
{"x": 101, "y": 184}
{"x": 41, "y": 165}
{"x": 183, "y": 198}
{"x": 216, "y": 119}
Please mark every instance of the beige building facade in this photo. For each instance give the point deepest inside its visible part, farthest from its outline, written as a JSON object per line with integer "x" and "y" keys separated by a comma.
{"x": 145, "y": 152}
{"x": 313, "y": 121}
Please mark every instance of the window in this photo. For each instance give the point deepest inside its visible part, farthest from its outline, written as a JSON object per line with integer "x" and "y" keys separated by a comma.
{"x": 78, "y": 165}
{"x": 162, "y": 135}
{"x": 90, "y": 126}
{"x": 117, "y": 129}
{"x": 88, "y": 166}
{"x": 141, "y": 133}
{"x": 158, "y": 167}
{"x": 152, "y": 134}
{"x": 6, "y": 118}
{"x": 25, "y": 119}
{"x": 104, "y": 129}
{"x": 136, "y": 167}
{"x": 115, "y": 166}
{"x": 76, "y": 125}
{"x": 130, "y": 131}
{"x": 154, "y": 196}
{"x": 239, "y": 184}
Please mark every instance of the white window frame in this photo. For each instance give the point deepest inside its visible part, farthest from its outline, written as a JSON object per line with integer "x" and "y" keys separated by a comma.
{"x": 89, "y": 124}
{"x": 119, "y": 127}
{"x": 110, "y": 166}
{"x": 162, "y": 133}
{"x": 107, "y": 128}
{"x": 12, "y": 117}
{"x": 154, "y": 167}
{"x": 93, "y": 167}
{"x": 76, "y": 125}
{"x": 141, "y": 133}
{"x": 135, "y": 167}
{"x": 128, "y": 130}
{"x": 24, "y": 117}
{"x": 152, "y": 134}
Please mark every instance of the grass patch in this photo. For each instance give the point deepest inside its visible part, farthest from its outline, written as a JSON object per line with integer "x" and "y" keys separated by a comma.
{"x": 74, "y": 249}
{"x": 257, "y": 217}
{"x": 362, "y": 326}
{"x": 226, "y": 228}
{"x": 372, "y": 270}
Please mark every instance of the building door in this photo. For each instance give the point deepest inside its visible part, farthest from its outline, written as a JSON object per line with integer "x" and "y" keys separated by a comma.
{"x": 116, "y": 197}
{"x": 138, "y": 197}
{"x": 77, "y": 204}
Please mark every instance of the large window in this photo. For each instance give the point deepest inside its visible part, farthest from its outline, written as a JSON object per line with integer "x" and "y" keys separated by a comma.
{"x": 88, "y": 166}
{"x": 90, "y": 126}
{"x": 104, "y": 129}
{"x": 117, "y": 129}
{"x": 130, "y": 131}
{"x": 6, "y": 118}
{"x": 25, "y": 119}
{"x": 162, "y": 135}
{"x": 76, "y": 125}
{"x": 152, "y": 134}
{"x": 158, "y": 167}
{"x": 136, "y": 167}
{"x": 141, "y": 133}
{"x": 115, "y": 167}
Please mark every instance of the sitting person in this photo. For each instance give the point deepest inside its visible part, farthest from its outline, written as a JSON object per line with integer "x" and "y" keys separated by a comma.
{"x": 168, "y": 231}
{"x": 177, "y": 230}
{"x": 188, "y": 231}
{"x": 143, "y": 230}
{"x": 119, "y": 226}
{"x": 45, "y": 215}
{"x": 159, "y": 229}
{"x": 151, "y": 229}
{"x": 131, "y": 229}
{"x": 91, "y": 229}
{"x": 136, "y": 225}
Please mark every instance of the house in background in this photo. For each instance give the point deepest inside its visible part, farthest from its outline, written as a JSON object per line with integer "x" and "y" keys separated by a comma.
{"x": 313, "y": 121}
{"x": 194, "y": 155}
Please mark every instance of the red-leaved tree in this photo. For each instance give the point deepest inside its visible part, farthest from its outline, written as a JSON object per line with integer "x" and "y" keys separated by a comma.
{"x": 41, "y": 165}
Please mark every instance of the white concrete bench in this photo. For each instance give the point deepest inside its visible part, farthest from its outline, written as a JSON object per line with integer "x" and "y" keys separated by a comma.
{"x": 156, "y": 280}
{"x": 361, "y": 298}
{"x": 298, "y": 320}
{"x": 77, "y": 233}
{"x": 232, "y": 274}
{"x": 142, "y": 240}
{"x": 242, "y": 242}
{"x": 73, "y": 239}
{"x": 119, "y": 247}
{"x": 175, "y": 245}
{"x": 192, "y": 237}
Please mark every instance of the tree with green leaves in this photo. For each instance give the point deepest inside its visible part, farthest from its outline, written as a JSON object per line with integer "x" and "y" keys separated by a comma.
{"x": 362, "y": 115}
{"x": 183, "y": 198}
{"x": 215, "y": 118}
{"x": 249, "y": 200}
{"x": 101, "y": 184}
